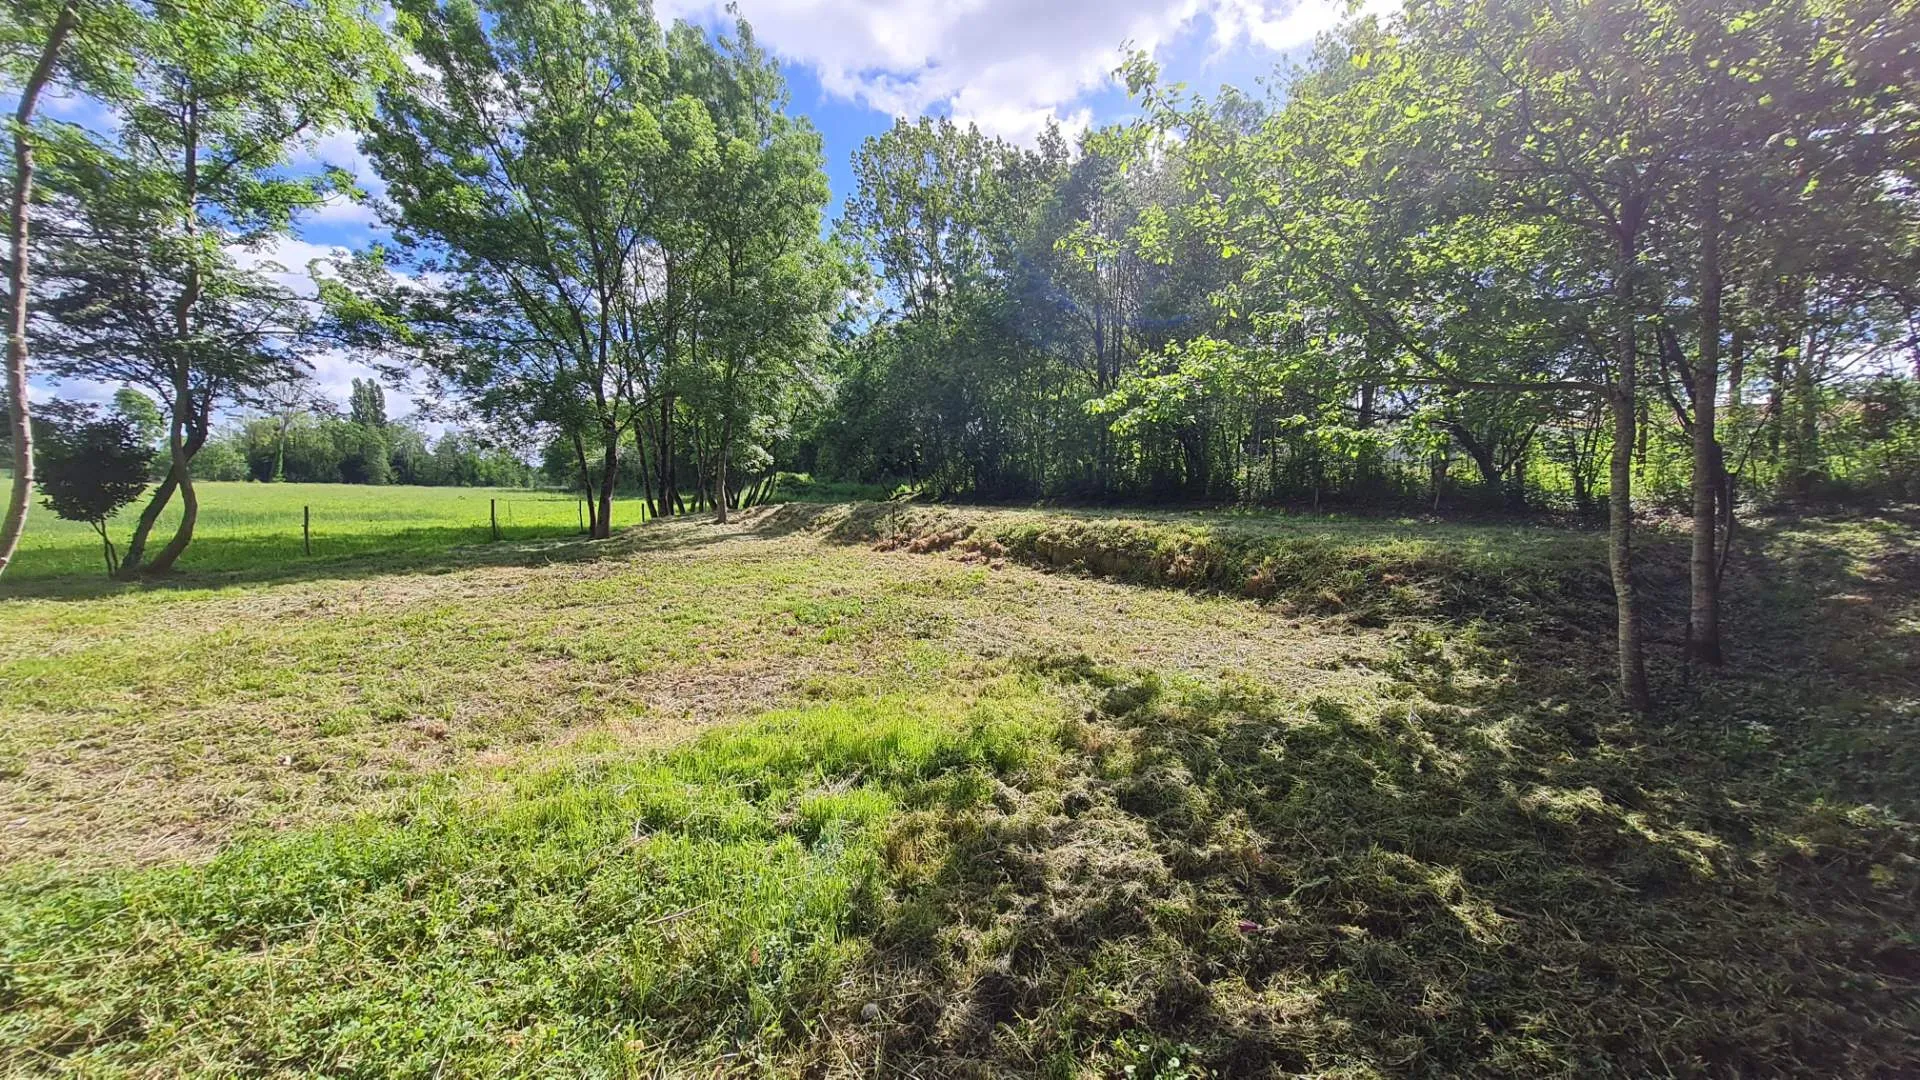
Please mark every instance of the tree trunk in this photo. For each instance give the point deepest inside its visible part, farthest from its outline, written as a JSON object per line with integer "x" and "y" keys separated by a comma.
{"x": 701, "y": 477}
{"x": 142, "y": 529}
{"x": 669, "y": 494}
{"x": 645, "y": 468}
{"x": 720, "y": 472}
{"x": 185, "y": 438}
{"x": 201, "y": 425}
{"x": 182, "y": 536}
{"x": 1703, "y": 621}
{"x": 1805, "y": 451}
{"x": 609, "y": 473}
{"x": 1736, "y": 369}
{"x": 587, "y": 493}
{"x": 19, "y": 411}
{"x": 1632, "y": 662}
{"x": 1516, "y": 482}
{"x": 1790, "y": 319}
{"x": 280, "y": 450}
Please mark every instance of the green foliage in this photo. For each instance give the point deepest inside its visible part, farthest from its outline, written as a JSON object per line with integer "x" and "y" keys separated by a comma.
{"x": 1432, "y": 250}
{"x": 368, "y": 405}
{"x": 222, "y": 461}
{"x": 142, "y": 415}
{"x": 89, "y": 466}
{"x": 139, "y": 266}
{"x": 623, "y": 229}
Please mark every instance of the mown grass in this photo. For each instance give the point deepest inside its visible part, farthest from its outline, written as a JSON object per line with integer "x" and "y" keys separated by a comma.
{"x": 250, "y": 527}
{"x": 590, "y": 918}
{"x": 980, "y": 819}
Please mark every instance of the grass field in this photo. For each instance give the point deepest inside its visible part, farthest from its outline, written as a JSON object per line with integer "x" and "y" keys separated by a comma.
{"x": 245, "y": 526}
{"x": 906, "y": 791}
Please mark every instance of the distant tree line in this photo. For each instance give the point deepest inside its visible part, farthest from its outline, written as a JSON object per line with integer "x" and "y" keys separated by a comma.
{"x": 315, "y": 445}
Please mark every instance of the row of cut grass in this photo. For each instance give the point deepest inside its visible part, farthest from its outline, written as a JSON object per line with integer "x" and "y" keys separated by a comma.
{"x": 1371, "y": 569}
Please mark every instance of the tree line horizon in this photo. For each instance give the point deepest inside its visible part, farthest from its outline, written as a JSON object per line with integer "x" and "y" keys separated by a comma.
{"x": 1598, "y": 255}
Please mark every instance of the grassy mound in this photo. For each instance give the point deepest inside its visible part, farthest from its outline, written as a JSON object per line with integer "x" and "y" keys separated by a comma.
{"x": 1372, "y": 570}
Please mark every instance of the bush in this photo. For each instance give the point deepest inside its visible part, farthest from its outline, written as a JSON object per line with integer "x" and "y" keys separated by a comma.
{"x": 90, "y": 466}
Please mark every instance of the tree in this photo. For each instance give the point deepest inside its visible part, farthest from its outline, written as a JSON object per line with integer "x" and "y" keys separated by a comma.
{"x": 44, "y": 44}
{"x": 770, "y": 283}
{"x": 521, "y": 157}
{"x": 286, "y": 399}
{"x": 91, "y": 466}
{"x": 139, "y": 411}
{"x": 145, "y": 287}
{"x": 622, "y": 229}
{"x": 368, "y": 405}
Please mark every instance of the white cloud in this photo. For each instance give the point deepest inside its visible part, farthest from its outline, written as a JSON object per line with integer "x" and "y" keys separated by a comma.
{"x": 342, "y": 213}
{"x": 285, "y": 260}
{"x": 1282, "y": 27}
{"x": 333, "y": 372}
{"x": 1007, "y": 65}
{"x": 339, "y": 148}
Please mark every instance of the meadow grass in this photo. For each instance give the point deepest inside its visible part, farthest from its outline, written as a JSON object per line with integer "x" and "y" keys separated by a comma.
{"x": 246, "y": 526}
{"x": 873, "y": 790}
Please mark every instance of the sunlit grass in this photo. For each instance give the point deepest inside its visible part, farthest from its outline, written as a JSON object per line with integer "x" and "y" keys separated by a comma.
{"x": 249, "y": 526}
{"x": 941, "y": 791}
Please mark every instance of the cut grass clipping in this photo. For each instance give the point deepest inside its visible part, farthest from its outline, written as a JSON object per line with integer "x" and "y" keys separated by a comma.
{"x": 1062, "y": 870}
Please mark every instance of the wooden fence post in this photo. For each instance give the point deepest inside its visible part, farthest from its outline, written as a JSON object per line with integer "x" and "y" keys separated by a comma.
{"x": 306, "y": 528}
{"x": 493, "y": 516}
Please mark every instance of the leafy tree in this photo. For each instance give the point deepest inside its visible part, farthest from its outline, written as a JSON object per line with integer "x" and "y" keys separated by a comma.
{"x": 221, "y": 460}
{"x": 771, "y": 284}
{"x": 363, "y": 453}
{"x": 406, "y": 450}
{"x": 138, "y": 410}
{"x": 91, "y": 466}
{"x": 522, "y": 155}
{"x": 64, "y": 43}
{"x": 144, "y": 286}
{"x": 368, "y": 405}
{"x": 622, "y": 228}
{"x": 287, "y": 399}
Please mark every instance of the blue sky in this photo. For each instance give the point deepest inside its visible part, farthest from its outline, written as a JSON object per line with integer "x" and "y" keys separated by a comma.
{"x": 852, "y": 66}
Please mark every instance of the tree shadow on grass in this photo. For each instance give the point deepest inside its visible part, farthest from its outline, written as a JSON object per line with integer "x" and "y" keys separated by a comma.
{"x": 272, "y": 560}
{"x": 1486, "y": 870}
{"x": 225, "y": 562}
